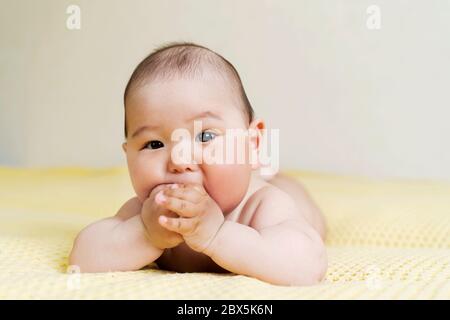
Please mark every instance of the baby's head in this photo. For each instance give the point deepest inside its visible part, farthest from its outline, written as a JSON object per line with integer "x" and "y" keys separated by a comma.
{"x": 169, "y": 90}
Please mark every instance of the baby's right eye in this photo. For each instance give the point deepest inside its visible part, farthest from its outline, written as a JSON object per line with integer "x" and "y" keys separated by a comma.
{"x": 154, "y": 144}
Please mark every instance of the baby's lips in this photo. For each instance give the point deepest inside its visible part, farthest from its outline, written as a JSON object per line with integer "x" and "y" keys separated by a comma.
{"x": 162, "y": 187}
{"x": 158, "y": 189}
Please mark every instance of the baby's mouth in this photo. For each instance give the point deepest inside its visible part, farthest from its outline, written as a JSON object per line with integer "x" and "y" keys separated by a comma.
{"x": 161, "y": 186}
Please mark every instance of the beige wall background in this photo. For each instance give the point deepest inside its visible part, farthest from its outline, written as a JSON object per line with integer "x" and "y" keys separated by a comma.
{"x": 347, "y": 99}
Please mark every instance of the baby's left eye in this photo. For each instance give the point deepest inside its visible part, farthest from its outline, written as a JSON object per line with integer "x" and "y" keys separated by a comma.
{"x": 205, "y": 136}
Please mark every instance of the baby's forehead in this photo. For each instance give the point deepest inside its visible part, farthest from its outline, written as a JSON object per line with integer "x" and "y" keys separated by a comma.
{"x": 208, "y": 91}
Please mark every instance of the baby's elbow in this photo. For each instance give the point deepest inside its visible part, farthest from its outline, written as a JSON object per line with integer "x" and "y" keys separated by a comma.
{"x": 82, "y": 254}
{"x": 76, "y": 260}
{"x": 321, "y": 264}
{"x": 311, "y": 270}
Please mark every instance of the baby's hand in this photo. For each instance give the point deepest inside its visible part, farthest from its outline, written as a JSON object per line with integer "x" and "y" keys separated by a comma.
{"x": 200, "y": 216}
{"x": 160, "y": 237}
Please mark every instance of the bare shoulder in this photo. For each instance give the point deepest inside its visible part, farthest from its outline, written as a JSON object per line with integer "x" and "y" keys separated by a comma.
{"x": 274, "y": 206}
{"x": 309, "y": 209}
{"x": 129, "y": 209}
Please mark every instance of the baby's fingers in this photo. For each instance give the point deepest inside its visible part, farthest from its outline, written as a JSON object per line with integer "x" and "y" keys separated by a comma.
{"x": 181, "y": 207}
{"x": 179, "y": 225}
{"x": 185, "y": 193}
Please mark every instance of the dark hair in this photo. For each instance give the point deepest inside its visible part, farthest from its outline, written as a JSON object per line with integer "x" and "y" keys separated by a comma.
{"x": 184, "y": 58}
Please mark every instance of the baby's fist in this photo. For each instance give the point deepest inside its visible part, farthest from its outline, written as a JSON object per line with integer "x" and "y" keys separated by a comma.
{"x": 200, "y": 216}
{"x": 159, "y": 236}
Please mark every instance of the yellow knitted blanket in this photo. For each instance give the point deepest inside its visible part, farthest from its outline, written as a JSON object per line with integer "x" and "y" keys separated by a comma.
{"x": 386, "y": 239}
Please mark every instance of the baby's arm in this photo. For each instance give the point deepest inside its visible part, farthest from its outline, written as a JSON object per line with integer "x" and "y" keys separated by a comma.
{"x": 119, "y": 243}
{"x": 279, "y": 246}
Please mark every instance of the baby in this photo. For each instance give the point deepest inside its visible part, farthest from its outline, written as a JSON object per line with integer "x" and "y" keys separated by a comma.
{"x": 193, "y": 216}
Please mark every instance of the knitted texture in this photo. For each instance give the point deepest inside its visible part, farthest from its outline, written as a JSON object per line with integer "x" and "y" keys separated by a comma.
{"x": 385, "y": 239}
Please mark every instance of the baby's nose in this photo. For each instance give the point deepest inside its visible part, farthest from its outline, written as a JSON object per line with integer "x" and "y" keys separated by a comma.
{"x": 181, "y": 158}
{"x": 174, "y": 167}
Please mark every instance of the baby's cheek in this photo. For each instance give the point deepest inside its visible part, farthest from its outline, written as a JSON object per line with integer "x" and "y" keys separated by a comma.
{"x": 227, "y": 184}
{"x": 144, "y": 174}
{"x": 136, "y": 181}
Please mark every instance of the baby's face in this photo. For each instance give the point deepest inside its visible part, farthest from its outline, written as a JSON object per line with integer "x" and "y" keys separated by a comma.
{"x": 166, "y": 105}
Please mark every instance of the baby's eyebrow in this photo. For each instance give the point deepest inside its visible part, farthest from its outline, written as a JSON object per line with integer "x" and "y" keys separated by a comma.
{"x": 142, "y": 129}
{"x": 205, "y": 114}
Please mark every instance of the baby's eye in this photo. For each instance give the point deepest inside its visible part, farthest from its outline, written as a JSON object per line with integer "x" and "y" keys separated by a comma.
{"x": 154, "y": 144}
{"x": 205, "y": 136}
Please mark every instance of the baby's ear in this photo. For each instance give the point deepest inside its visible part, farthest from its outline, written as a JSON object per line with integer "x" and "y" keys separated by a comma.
{"x": 124, "y": 147}
{"x": 256, "y": 129}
